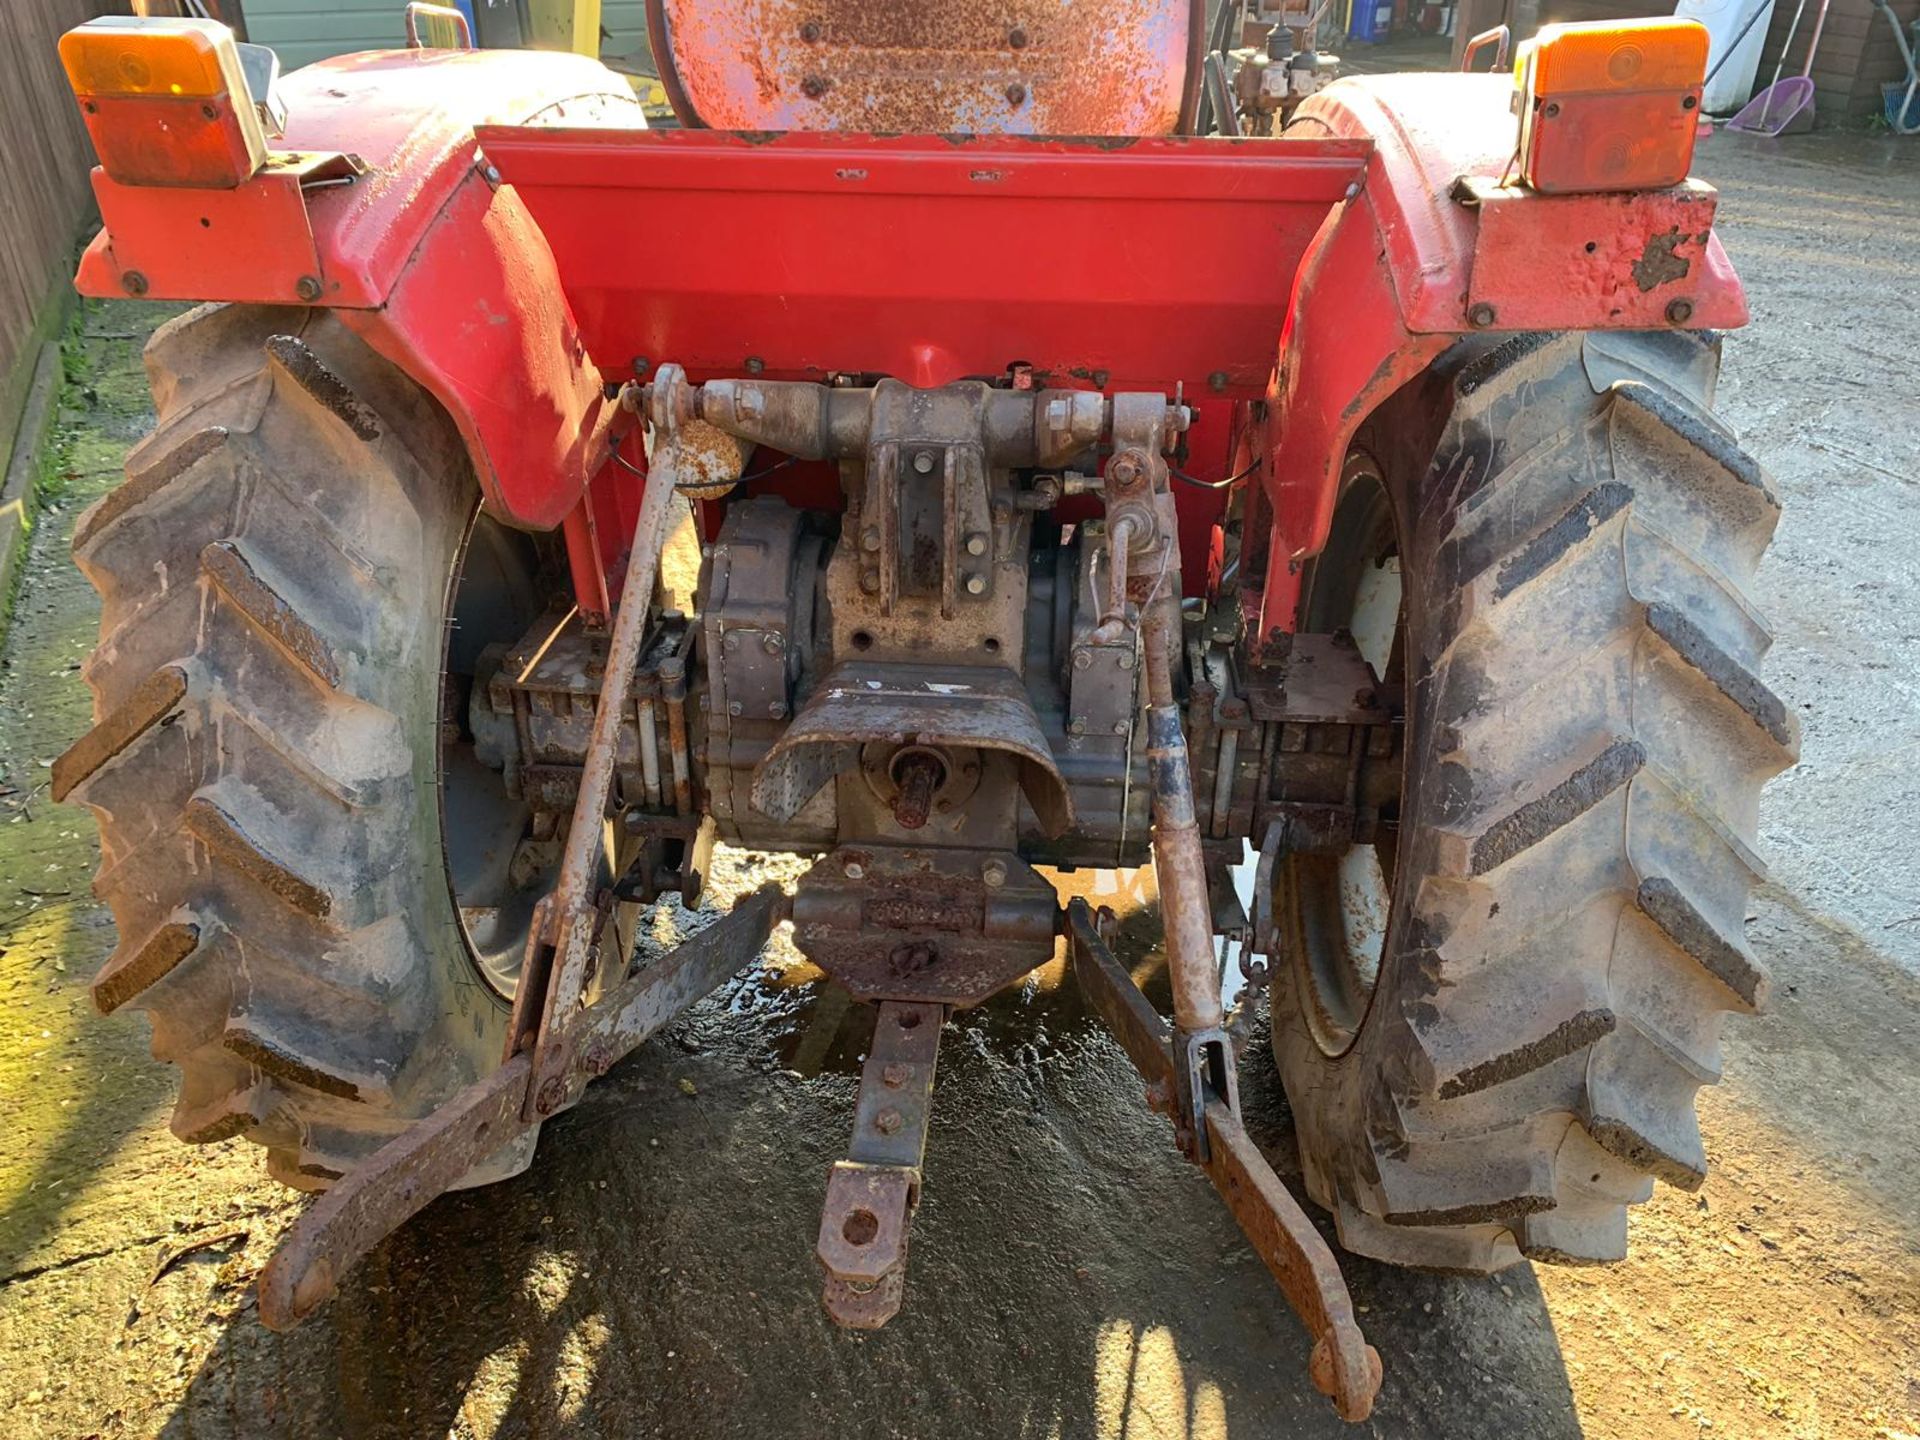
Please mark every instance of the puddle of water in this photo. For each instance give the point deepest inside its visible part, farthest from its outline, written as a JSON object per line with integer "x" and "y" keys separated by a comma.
{"x": 815, "y": 1027}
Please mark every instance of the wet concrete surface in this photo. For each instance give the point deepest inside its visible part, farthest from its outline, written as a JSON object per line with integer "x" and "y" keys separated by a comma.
{"x": 653, "y": 1273}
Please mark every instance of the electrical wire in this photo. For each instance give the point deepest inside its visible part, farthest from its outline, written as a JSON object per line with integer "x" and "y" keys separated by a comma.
{"x": 1225, "y": 484}
{"x": 633, "y": 469}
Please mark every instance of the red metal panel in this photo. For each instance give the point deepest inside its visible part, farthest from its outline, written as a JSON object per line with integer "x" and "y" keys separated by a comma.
{"x": 1347, "y": 349}
{"x": 1429, "y": 131}
{"x": 409, "y": 115}
{"x": 1394, "y": 276}
{"x": 1134, "y": 265}
{"x": 1034, "y": 67}
{"x": 1549, "y": 262}
{"x": 249, "y": 243}
{"x": 478, "y": 318}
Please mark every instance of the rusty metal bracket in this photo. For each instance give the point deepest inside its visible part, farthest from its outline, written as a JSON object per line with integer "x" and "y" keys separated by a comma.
{"x": 400, "y": 1179}
{"x": 563, "y": 951}
{"x": 871, "y": 1196}
{"x": 1344, "y": 1367}
{"x": 1641, "y": 257}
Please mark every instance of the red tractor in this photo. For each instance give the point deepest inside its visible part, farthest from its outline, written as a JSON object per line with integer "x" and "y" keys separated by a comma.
{"x": 1076, "y": 487}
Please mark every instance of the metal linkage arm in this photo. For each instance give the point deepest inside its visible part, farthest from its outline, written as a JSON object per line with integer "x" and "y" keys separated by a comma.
{"x": 1344, "y": 1367}
{"x": 563, "y": 944}
{"x": 396, "y": 1182}
{"x": 871, "y": 1197}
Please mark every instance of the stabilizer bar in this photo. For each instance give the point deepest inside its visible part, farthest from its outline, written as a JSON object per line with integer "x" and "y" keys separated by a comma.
{"x": 1344, "y": 1367}
{"x": 396, "y": 1182}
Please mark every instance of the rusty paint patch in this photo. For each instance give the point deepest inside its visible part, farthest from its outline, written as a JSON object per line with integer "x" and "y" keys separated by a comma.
{"x": 710, "y": 460}
{"x": 1050, "y": 67}
{"x": 1660, "y": 263}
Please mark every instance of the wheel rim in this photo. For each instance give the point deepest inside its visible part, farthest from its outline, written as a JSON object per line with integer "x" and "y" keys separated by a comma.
{"x": 492, "y": 864}
{"x": 1341, "y": 903}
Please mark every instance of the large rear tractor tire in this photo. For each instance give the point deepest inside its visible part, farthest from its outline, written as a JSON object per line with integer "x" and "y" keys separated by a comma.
{"x": 1492, "y": 1025}
{"x": 278, "y": 693}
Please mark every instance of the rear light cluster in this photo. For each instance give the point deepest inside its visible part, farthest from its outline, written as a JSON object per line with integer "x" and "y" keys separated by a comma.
{"x": 1609, "y": 105}
{"x": 165, "y": 102}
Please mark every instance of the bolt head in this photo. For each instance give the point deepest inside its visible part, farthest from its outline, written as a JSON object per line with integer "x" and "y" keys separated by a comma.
{"x": 923, "y": 462}
{"x": 976, "y": 584}
{"x": 734, "y": 707}
{"x": 813, "y": 87}
{"x": 993, "y": 874}
{"x": 870, "y": 538}
{"x": 976, "y": 544}
{"x": 307, "y": 288}
{"x": 1016, "y": 94}
{"x": 1680, "y": 311}
{"x": 1481, "y": 316}
{"x": 1217, "y": 382}
{"x": 1123, "y": 472}
{"x": 773, "y": 644}
{"x": 894, "y": 1075}
{"x": 755, "y": 365}
{"x": 854, "y": 870}
{"x": 810, "y": 31}
{"x": 134, "y": 283}
{"x": 888, "y": 1121}
{"x": 1082, "y": 659}
{"x": 870, "y": 582}
{"x": 553, "y": 1090}
{"x": 1017, "y": 38}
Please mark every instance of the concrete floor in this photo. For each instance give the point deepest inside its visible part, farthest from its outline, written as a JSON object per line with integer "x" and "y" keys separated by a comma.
{"x": 652, "y": 1275}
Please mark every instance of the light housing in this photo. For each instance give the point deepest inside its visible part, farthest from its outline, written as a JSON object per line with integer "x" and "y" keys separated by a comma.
{"x": 165, "y": 101}
{"x": 1609, "y": 105}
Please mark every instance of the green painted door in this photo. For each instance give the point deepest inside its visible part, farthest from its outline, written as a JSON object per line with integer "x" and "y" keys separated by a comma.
{"x": 303, "y": 31}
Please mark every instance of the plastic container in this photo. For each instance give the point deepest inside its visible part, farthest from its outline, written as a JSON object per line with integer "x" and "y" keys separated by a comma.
{"x": 1724, "y": 19}
{"x": 1372, "y": 21}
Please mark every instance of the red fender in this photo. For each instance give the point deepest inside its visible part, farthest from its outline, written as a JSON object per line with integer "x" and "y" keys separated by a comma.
{"x": 440, "y": 268}
{"x": 1401, "y": 268}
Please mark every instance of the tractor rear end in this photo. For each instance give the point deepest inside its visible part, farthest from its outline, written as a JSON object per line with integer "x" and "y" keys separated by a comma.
{"x": 1349, "y": 499}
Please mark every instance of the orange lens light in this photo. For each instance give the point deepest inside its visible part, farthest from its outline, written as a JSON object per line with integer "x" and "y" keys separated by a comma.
{"x": 187, "y": 59}
{"x": 1613, "y": 56}
{"x": 1610, "y": 105}
{"x": 165, "y": 102}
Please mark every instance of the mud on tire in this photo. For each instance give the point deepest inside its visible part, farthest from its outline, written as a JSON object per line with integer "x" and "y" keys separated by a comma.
{"x": 1587, "y": 739}
{"x": 274, "y": 578}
